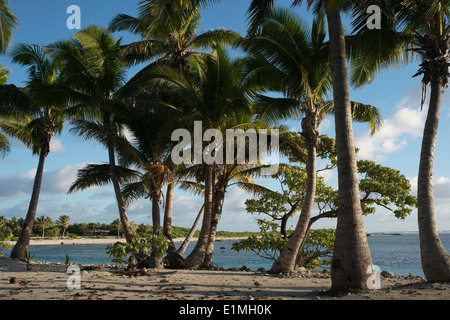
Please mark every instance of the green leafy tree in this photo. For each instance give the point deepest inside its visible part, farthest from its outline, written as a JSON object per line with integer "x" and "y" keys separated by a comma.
{"x": 269, "y": 243}
{"x": 142, "y": 245}
{"x": 380, "y": 187}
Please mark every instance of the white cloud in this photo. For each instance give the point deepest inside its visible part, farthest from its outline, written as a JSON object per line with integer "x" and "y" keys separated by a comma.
{"x": 234, "y": 216}
{"x": 59, "y": 181}
{"x": 441, "y": 189}
{"x": 56, "y": 146}
{"x": 393, "y": 136}
{"x": 327, "y": 175}
{"x": 17, "y": 185}
{"x": 53, "y": 182}
{"x": 326, "y": 124}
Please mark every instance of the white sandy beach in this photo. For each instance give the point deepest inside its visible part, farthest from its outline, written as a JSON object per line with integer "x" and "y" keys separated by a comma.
{"x": 49, "y": 282}
{"x": 87, "y": 240}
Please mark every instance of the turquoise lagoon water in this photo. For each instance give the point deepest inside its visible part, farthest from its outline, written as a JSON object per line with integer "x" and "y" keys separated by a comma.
{"x": 399, "y": 254}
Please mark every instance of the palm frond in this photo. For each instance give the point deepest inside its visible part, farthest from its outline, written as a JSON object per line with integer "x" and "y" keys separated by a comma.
{"x": 8, "y": 24}
{"x": 195, "y": 188}
{"x": 94, "y": 175}
{"x": 253, "y": 188}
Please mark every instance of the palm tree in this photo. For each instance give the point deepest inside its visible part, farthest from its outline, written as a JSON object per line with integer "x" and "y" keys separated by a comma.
{"x": 428, "y": 21}
{"x": 224, "y": 176}
{"x": 93, "y": 75}
{"x": 117, "y": 225}
{"x": 8, "y": 24}
{"x": 212, "y": 94}
{"x": 43, "y": 223}
{"x": 168, "y": 31}
{"x": 351, "y": 257}
{"x": 288, "y": 57}
{"x": 149, "y": 156}
{"x": 38, "y": 117}
{"x": 143, "y": 228}
{"x": 63, "y": 221}
{"x": 5, "y": 113}
{"x": 416, "y": 29}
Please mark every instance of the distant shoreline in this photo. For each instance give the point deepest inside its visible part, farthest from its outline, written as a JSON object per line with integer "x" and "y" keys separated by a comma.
{"x": 109, "y": 240}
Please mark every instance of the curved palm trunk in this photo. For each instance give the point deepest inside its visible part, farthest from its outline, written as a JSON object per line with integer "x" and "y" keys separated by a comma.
{"x": 351, "y": 259}
{"x": 197, "y": 256}
{"x": 288, "y": 257}
{"x": 434, "y": 257}
{"x": 189, "y": 237}
{"x": 218, "y": 198}
{"x": 18, "y": 252}
{"x": 126, "y": 227}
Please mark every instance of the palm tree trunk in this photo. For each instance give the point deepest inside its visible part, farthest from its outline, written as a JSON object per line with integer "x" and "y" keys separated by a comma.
{"x": 197, "y": 256}
{"x": 18, "y": 252}
{"x": 434, "y": 257}
{"x": 351, "y": 259}
{"x": 167, "y": 223}
{"x": 155, "y": 261}
{"x": 218, "y": 198}
{"x": 175, "y": 259}
{"x": 288, "y": 257}
{"x": 128, "y": 233}
{"x": 189, "y": 237}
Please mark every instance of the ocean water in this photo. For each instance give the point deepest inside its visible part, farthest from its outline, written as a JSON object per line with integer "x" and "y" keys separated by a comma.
{"x": 399, "y": 254}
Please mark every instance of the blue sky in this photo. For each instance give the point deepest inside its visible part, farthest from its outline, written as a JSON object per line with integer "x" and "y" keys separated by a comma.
{"x": 396, "y": 145}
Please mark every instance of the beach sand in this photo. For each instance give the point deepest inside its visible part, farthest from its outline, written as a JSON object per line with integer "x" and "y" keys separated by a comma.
{"x": 86, "y": 240}
{"x": 49, "y": 282}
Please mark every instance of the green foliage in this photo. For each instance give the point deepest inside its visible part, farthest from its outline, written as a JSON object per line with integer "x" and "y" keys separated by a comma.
{"x": 315, "y": 253}
{"x": 292, "y": 181}
{"x": 318, "y": 249}
{"x": 140, "y": 246}
{"x": 267, "y": 245}
{"x": 385, "y": 187}
{"x": 5, "y": 235}
{"x": 28, "y": 256}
